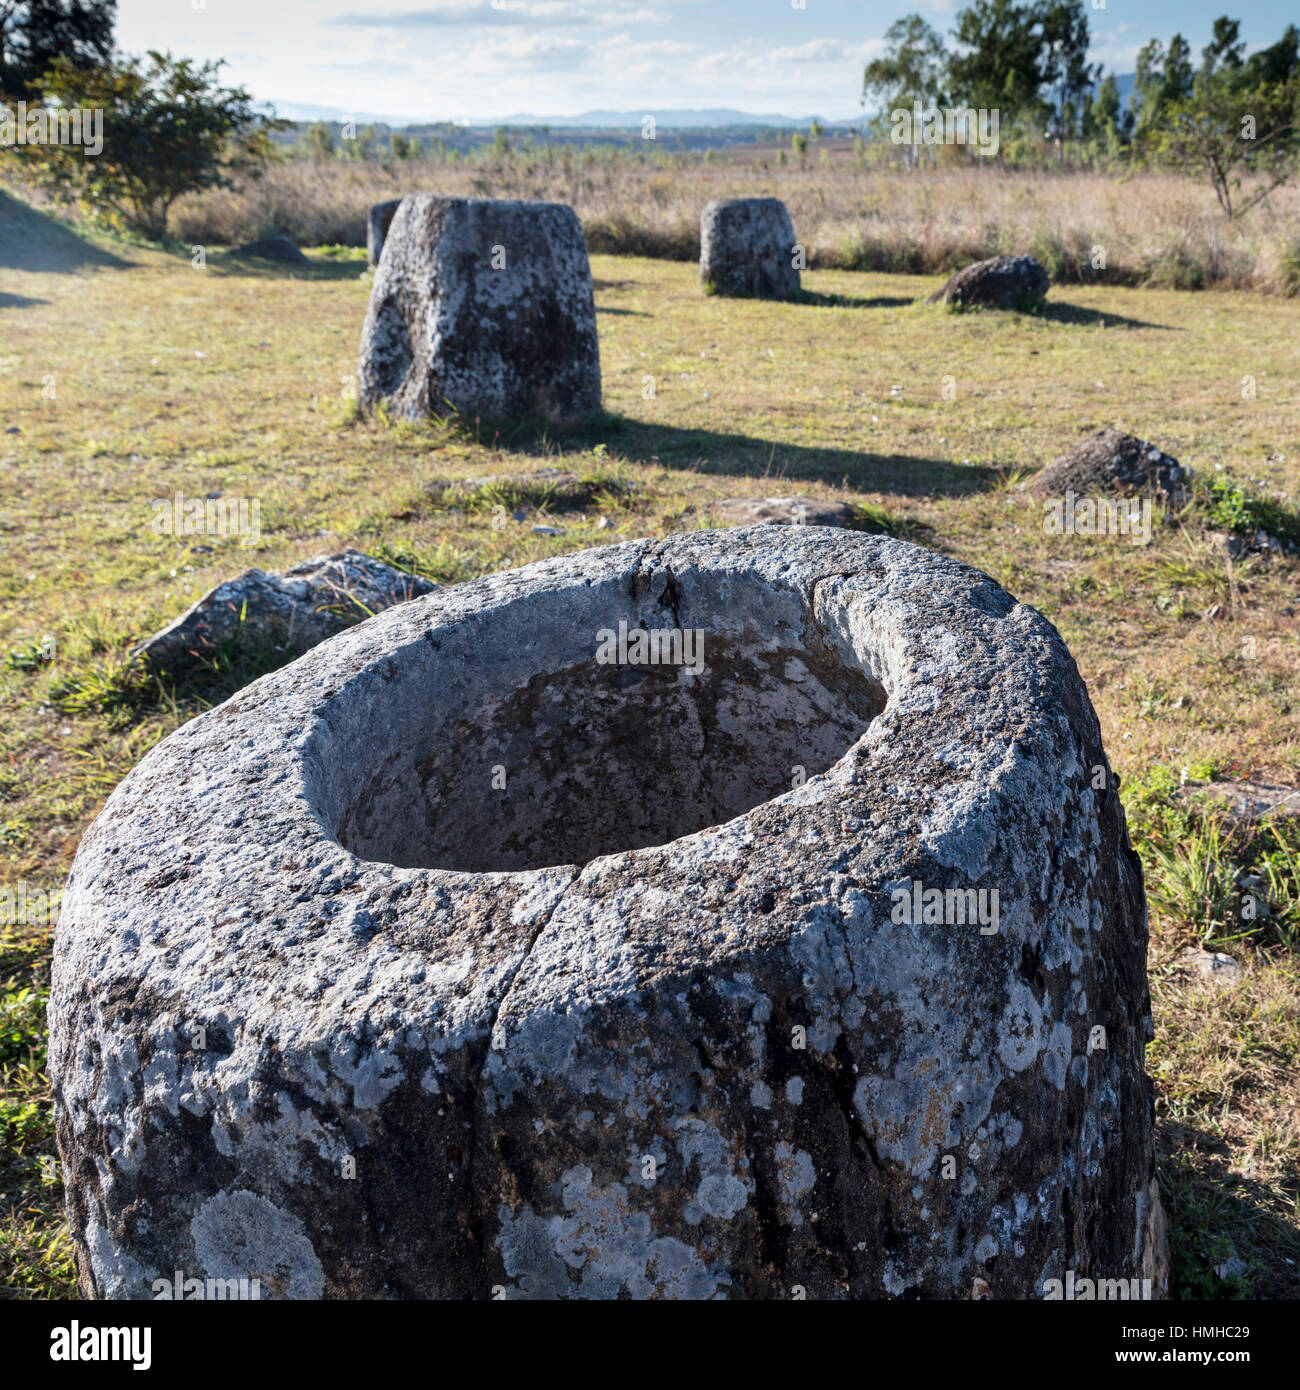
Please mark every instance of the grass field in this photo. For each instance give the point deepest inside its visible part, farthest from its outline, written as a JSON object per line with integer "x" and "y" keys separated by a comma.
{"x": 129, "y": 374}
{"x": 1117, "y": 226}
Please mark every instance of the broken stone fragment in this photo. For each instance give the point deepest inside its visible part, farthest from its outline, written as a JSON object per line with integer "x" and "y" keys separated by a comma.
{"x": 1212, "y": 966}
{"x": 1001, "y": 282}
{"x": 293, "y": 611}
{"x": 687, "y": 919}
{"x": 277, "y": 247}
{"x": 782, "y": 511}
{"x": 1111, "y": 463}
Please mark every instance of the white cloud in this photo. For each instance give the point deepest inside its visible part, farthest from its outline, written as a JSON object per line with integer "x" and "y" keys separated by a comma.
{"x": 502, "y": 14}
{"x": 817, "y": 51}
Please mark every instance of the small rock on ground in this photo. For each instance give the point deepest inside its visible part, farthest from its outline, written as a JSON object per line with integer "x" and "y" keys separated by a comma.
{"x": 782, "y": 511}
{"x": 272, "y": 248}
{"x": 1112, "y": 461}
{"x": 1002, "y": 282}
{"x": 1247, "y": 800}
{"x": 1213, "y": 966}
{"x": 293, "y": 611}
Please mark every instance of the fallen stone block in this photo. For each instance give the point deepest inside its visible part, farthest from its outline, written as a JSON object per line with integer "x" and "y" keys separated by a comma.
{"x": 293, "y": 611}
{"x": 1001, "y": 282}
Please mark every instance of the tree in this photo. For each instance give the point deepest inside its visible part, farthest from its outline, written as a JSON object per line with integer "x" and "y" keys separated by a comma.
{"x": 1225, "y": 48}
{"x": 1232, "y": 122}
{"x": 1064, "y": 60}
{"x": 1101, "y": 115}
{"x": 913, "y": 69}
{"x": 169, "y": 129}
{"x": 799, "y": 144}
{"x": 1001, "y": 59}
{"x": 318, "y": 142}
{"x": 1163, "y": 78}
{"x": 33, "y": 33}
{"x": 815, "y": 129}
{"x": 1277, "y": 65}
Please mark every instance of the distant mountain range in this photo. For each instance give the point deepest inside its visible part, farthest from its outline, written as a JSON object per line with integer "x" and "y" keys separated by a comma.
{"x": 708, "y": 118}
{"x": 711, "y": 118}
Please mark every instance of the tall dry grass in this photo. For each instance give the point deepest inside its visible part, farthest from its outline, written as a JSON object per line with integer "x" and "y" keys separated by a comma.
{"x": 1150, "y": 228}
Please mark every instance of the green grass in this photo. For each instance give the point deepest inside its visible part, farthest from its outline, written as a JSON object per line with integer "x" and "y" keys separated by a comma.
{"x": 241, "y": 379}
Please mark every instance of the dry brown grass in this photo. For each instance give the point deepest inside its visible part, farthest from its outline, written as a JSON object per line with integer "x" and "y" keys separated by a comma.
{"x": 1156, "y": 229}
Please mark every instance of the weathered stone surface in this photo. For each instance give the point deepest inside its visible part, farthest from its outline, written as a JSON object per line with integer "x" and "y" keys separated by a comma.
{"x": 782, "y": 511}
{"x": 378, "y": 221}
{"x": 295, "y": 610}
{"x": 596, "y": 972}
{"x": 1004, "y": 282}
{"x": 1113, "y": 463}
{"x": 747, "y": 248}
{"x": 1237, "y": 546}
{"x": 484, "y": 307}
{"x": 277, "y": 247}
{"x": 1212, "y": 966}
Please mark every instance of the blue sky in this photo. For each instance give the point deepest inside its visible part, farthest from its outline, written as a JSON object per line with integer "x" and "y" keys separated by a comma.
{"x": 475, "y": 59}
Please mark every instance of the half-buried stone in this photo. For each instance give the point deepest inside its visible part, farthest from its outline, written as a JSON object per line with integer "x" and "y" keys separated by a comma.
{"x": 1001, "y": 282}
{"x": 478, "y": 949}
{"x": 747, "y": 248}
{"x": 482, "y": 307}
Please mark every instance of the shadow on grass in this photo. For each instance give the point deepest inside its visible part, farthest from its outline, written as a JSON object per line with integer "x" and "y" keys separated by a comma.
{"x": 128, "y": 690}
{"x": 848, "y": 301}
{"x": 1049, "y": 310}
{"x": 18, "y": 301}
{"x": 35, "y": 241}
{"x": 1076, "y": 314}
{"x": 744, "y": 456}
{"x": 229, "y": 265}
{"x": 1217, "y": 1213}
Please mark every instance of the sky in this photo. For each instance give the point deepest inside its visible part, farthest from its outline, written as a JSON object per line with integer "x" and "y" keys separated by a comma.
{"x": 426, "y": 60}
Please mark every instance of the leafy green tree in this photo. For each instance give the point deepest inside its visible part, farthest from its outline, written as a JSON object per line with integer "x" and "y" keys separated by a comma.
{"x": 1001, "y": 61}
{"x": 1064, "y": 65}
{"x": 169, "y": 129}
{"x": 1102, "y": 121}
{"x": 913, "y": 69}
{"x": 1225, "y": 48}
{"x": 1233, "y": 124}
{"x": 815, "y": 129}
{"x": 1163, "y": 79}
{"x": 1277, "y": 65}
{"x": 799, "y": 144}
{"x": 33, "y": 33}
